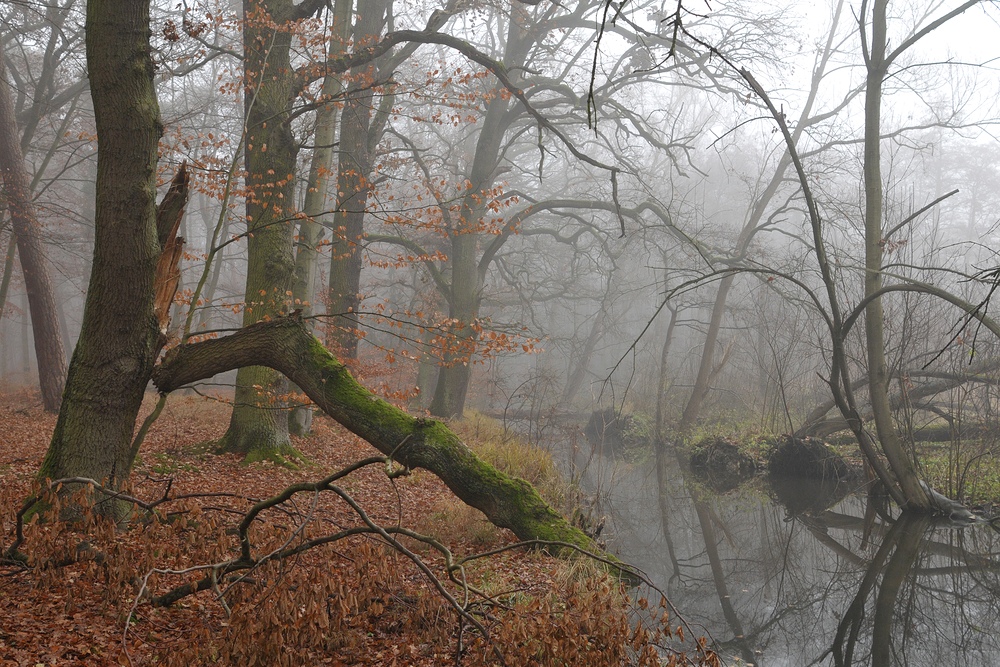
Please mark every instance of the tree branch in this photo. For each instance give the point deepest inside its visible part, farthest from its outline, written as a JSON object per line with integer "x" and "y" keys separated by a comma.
{"x": 287, "y": 346}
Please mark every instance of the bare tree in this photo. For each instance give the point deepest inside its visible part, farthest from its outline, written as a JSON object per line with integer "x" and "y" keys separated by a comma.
{"x": 44, "y": 318}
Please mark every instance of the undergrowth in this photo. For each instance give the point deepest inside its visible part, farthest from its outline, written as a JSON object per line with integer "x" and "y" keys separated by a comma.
{"x": 506, "y": 452}
{"x": 970, "y": 473}
{"x": 356, "y": 599}
{"x": 967, "y": 470}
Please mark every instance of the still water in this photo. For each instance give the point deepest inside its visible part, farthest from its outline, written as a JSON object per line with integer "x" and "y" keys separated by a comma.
{"x": 809, "y": 580}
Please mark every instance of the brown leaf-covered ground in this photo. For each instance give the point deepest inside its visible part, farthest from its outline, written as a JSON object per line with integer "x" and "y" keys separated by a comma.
{"x": 354, "y": 601}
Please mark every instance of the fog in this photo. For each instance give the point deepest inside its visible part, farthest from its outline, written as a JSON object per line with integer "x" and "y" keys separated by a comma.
{"x": 685, "y": 137}
{"x": 731, "y": 218}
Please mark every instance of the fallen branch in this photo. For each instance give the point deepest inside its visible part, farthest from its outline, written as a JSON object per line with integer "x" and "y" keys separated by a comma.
{"x": 247, "y": 561}
{"x": 287, "y": 346}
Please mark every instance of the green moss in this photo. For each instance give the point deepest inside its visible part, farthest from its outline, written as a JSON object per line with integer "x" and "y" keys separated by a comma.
{"x": 285, "y": 344}
{"x": 513, "y": 456}
{"x": 167, "y": 464}
{"x": 755, "y": 445}
{"x": 638, "y": 431}
{"x": 285, "y": 456}
{"x": 506, "y": 461}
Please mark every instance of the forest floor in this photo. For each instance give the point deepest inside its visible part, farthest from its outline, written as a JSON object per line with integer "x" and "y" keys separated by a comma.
{"x": 352, "y": 601}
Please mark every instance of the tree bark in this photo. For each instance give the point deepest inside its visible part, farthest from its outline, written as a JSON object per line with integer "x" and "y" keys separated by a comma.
{"x": 465, "y": 294}
{"x": 287, "y": 346}
{"x": 311, "y": 229}
{"x": 354, "y": 169}
{"x": 258, "y": 427}
{"x": 902, "y": 465}
{"x": 119, "y": 339}
{"x": 44, "y": 316}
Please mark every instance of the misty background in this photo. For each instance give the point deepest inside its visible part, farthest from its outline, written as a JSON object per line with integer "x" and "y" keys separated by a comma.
{"x": 581, "y": 307}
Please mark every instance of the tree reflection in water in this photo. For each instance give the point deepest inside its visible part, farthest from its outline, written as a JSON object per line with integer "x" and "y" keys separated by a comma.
{"x": 903, "y": 542}
{"x": 810, "y": 585}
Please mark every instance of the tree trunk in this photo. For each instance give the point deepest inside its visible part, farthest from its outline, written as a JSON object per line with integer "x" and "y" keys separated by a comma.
{"x": 427, "y": 373}
{"x": 818, "y": 425}
{"x": 451, "y": 390}
{"x": 452, "y": 386}
{"x": 44, "y": 316}
{"x": 465, "y": 295}
{"x": 878, "y": 376}
{"x": 353, "y": 172}
{"x": 286, "y": 345}
{"x": 707, "y": 369}
{"x": 258, "y": 427}
{"x": 662, "y": 382}
{"x": 8, "y": 269}
{"x": 119, "y": 339}
{"x": 582, "y": 361}
{"x": 311, "y": 229}
{"x": 208, "y": 298}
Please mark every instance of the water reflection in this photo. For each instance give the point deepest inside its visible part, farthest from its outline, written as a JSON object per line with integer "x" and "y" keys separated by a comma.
{"x": 813, "y": 581}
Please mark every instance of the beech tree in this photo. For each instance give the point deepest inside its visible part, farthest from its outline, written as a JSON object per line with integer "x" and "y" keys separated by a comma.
{"x": 311, "y": 230}
{"x": 259, "y": 424}
{"x": 354, "y": 170}
{"x": 120, "y": 338}
{"x": 458, "y": 226}
{"x": 42, "y": 92}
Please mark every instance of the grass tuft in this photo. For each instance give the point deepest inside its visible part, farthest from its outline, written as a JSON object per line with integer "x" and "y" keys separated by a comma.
{"x": 508, "y": 453}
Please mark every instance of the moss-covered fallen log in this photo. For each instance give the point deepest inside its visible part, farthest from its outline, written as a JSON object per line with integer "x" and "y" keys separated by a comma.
{"x": 286, "y": 346}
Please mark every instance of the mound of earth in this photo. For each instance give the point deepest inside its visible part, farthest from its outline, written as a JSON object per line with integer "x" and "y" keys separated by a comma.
{"x": 721, "y": 464}
{"x": 807, "y": 458}
{"x": 616, "y": 432}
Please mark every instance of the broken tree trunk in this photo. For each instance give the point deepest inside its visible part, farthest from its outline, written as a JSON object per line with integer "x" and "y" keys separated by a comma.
{"x": 119, "y": 339}
{"x": 287, "y": 346}
{"x": 168, "y": 268}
